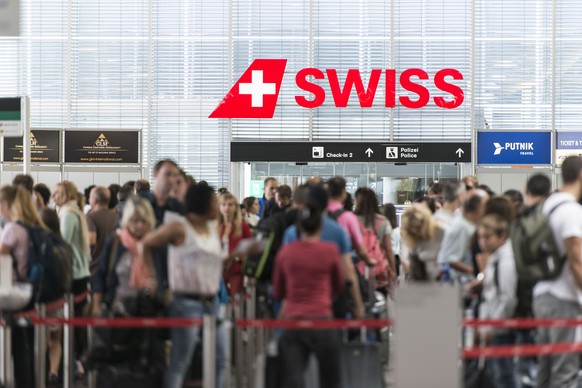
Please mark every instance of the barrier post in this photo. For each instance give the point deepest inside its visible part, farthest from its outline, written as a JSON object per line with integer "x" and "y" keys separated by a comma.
{"x": 227, "y": 327}
{"x": 209, "y": 351}
{"x": 239, "y": 358}
{"x": 251, "y": 345}
{"x": 40, "y": 348}
{"x": 92, "y": 375}
{"x": 6, "y": 372}
{"x": 68, "y": 344}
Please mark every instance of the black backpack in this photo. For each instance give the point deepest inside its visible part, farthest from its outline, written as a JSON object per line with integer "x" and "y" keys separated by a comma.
{"x": 50, "y": 264}
{"x": 536, "y": 254}
{"x": 260, "y": 266}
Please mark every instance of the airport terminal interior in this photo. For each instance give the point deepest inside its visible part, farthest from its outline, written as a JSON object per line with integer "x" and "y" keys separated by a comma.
{"x": 290, "y": 193}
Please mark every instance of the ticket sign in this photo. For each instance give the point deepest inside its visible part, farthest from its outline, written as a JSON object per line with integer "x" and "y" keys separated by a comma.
{"x": 112, "y": 147}
{"x": 44, "y": 147}
{"x": 568, "y": 144}
{"x": 511, "y": 148}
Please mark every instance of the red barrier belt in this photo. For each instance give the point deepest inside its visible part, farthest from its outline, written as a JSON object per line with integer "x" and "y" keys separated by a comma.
{"x": 53, "y": 306}
{"x": 523, "y": 323}
{"x": 522, "y": 350}
{"x": 310, "y": 324}
{"x": 119, "y": 322}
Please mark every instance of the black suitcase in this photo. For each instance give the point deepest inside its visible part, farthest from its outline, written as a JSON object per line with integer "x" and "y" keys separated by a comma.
{"x": 361, "y": 365}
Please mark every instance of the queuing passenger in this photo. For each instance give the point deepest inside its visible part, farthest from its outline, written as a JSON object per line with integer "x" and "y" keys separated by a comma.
{"x": 499, "y": 294}
{"x": 75, "y": 232}
{"x": 25, "y": 181}
{"x": 308, "y": 273}
{"x": 251, "y": 205}
{"x": 347, "y": 220}
{"x": 560, "y": 298}
{"x": 16, "y": 208}
{"x": 125, "y": 281}
{"x": 436, "y": 191}
{"x": 114, "y": 188}
{"x": 42, "y": 194}
{"x": 349, "y": 202}
{"x": 368, "y": 212}
{"x": 537, "y": 189}
{"x": 470, "y": 182}
{"x": 165, "y": 175}
{"x": 141, "y": 188}
{"x": 390, "y": 214}
{"x": 279, "y": 204}
{"x": 269, "y": 189}
{"x": 456, "y": 246}
{"x": 183, "y": 181}
{"x": 55, "y": 333}
{"x": 333, "y": 232}
{"x": 516, "y": 198}
{"x": 100, "y": 222}
{"x": 499, "y": 206}
{"x": 87, "y": 193}
{"x": 430, "y": 203}
{"x": 196, "y": 256}
{"x": 453, "y": 193}
{"x": 422, "y": 236}
{"x": 233, "y": 229}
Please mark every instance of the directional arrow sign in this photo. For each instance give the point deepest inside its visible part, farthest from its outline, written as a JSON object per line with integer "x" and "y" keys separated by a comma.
{"x": 459, "y": 152}
{"x": 369, "y": 152}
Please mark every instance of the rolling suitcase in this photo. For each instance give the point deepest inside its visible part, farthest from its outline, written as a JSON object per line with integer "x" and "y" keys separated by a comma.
{"x": 361, "y": 365}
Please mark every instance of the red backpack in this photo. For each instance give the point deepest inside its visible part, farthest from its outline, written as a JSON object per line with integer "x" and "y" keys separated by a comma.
{"x": 375, "y": 251}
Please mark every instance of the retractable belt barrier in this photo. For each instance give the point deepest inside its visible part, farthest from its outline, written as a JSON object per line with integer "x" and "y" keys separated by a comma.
{"x": 33, "y": 318}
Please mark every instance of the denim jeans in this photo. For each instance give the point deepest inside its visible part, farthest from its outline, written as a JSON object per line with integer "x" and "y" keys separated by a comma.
{"x": 295, "y": 348}
{"x": 184, "y": 341}
{"x": 503, "y": 372}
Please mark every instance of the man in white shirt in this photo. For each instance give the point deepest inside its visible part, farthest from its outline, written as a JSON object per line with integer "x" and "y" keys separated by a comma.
{"x": 562, "y": 297}
{"x": 453, "y": 194}
{"x": 455, "y": 249}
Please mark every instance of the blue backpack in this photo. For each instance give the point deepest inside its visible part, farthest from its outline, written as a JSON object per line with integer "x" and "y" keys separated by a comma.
{"x": 50, "y": 264}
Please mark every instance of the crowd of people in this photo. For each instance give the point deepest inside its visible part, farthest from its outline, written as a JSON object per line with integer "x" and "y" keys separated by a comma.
{"x": 183, "y": 249}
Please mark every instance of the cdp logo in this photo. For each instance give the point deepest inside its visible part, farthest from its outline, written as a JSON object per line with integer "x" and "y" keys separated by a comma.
{"x": 256, "y": 92}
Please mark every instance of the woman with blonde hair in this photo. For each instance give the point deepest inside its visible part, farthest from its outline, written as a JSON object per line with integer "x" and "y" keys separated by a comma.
{"x": 75, "y": 232}
{"x": 18, "y": 212}
{"x": 232, "y": 229}
{"x": 125, "y": 285}
{"x": 421, "y": 236}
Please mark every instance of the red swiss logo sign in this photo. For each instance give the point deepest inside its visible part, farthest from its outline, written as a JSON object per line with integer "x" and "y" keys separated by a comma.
{"x": 256, "y": 92}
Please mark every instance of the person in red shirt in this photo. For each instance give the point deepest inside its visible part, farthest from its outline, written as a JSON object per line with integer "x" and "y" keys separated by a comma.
{"x": 308, "y": 274}
{"x": 231, "y": 227}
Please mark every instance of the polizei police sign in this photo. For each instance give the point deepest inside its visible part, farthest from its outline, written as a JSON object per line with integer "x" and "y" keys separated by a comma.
{"x": 514, "y": 148}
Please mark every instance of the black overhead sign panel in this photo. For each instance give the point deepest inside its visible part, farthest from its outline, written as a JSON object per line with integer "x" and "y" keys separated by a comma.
{"x": 349, "y": 152}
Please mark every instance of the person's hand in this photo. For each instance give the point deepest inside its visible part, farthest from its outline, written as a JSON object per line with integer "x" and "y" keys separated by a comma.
{"x": 359, "y": 312}
{"x": 475, "y": 286}
{"x": 371, "y": 262}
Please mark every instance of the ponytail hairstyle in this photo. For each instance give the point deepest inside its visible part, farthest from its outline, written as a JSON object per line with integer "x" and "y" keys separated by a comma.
{"x": 23, "y": 209}
{"x": 310, "y": 221}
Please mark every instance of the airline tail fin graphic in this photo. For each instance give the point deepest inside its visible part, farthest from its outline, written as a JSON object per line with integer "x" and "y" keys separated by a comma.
{"x": 256, "y": 92}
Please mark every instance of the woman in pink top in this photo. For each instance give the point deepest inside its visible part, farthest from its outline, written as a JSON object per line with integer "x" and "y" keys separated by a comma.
{"x": 308, "y": 273}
